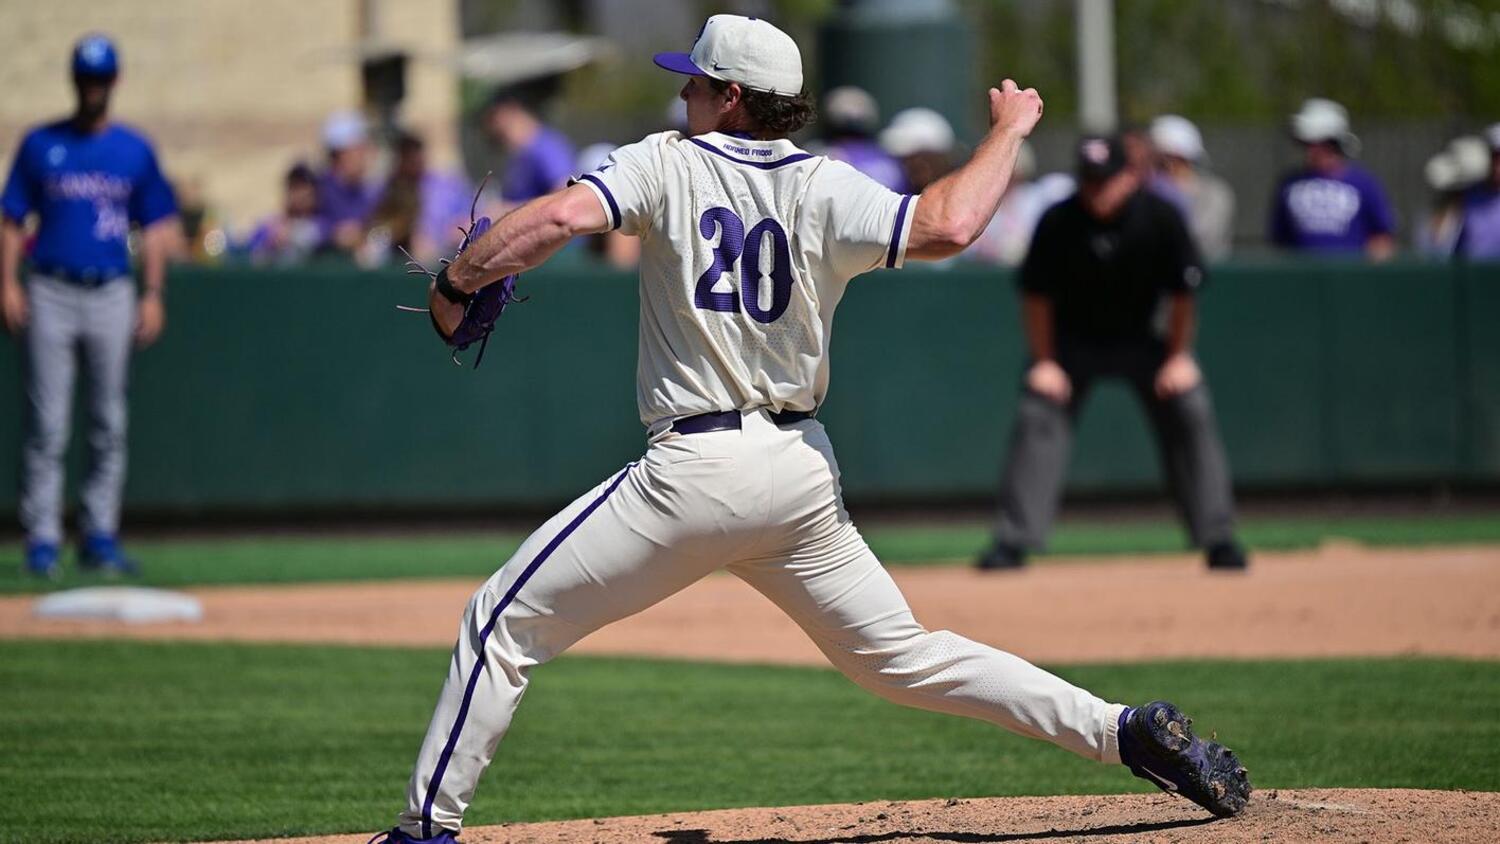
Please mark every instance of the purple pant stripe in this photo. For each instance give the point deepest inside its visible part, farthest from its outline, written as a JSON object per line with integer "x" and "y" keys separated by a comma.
{"x": 484, "y": 635}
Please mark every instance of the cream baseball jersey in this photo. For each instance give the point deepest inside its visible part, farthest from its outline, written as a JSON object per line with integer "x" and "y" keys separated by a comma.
{"x": 746, "y": 247}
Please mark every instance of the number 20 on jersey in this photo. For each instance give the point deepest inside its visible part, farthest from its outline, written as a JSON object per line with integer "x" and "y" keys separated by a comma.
{"x": 735, "y": 245}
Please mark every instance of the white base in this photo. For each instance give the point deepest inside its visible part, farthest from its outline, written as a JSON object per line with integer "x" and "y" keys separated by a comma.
{"x": 128, "y": 604}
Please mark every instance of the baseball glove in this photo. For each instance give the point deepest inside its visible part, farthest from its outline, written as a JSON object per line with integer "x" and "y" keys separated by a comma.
{"x": 481, "y": 309}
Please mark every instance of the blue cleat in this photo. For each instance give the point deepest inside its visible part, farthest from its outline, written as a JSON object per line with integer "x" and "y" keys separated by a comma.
{"x": 396, "y": 836}
{"x": 1157, "y": 744}
{"x": 101, "y": 553}
{"x": 42, "y": 560}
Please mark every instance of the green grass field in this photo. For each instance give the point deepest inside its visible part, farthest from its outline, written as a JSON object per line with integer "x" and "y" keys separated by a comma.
{"x": 151, "y": 742}
{"x": 290, "y": 559}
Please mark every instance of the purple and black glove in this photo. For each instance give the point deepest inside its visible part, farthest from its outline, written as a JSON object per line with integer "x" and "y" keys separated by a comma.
{"x": 482, "y": 309}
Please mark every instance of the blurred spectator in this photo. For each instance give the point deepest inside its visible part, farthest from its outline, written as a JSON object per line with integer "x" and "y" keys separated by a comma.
{"x": 1207, "y": 200}
{"x": 922, "y": 140}
{"x": 851, "y": 117}
{"x": 676, "y": 115}
{"x": 540, "y": 158}
{"x": 1480, "y": 237}
{"x": 294, "y": 234}
{"x": 346, "y": 195}
{"x": 1141, "y": 158}
{"x": 1008, "y": 235}
{"x": 1331, "y": 205}
{"x": 202, "y": 237}
{"x": 421, "y": 208}
{"x": 1462, "y": 164}
{"x": 1109, "y": 292}
{"x": 619, "y": 250}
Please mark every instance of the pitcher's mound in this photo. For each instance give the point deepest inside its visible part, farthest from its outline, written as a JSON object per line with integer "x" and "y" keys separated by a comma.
{"x": 1323, "y": 815}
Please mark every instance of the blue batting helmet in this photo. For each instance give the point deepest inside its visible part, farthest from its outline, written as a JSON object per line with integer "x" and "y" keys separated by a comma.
{"x": 95, "y": 55}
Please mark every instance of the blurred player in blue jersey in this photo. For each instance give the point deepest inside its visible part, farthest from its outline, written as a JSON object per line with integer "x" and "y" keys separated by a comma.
{"x": 86, "y": 181}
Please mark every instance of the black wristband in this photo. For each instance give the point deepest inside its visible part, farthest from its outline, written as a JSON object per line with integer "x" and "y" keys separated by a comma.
{"x": 446, "y": 289}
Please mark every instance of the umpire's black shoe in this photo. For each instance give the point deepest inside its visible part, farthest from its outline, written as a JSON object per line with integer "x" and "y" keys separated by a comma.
{"x": 1001, "y": 557}
{"x": 1226, "y": 556}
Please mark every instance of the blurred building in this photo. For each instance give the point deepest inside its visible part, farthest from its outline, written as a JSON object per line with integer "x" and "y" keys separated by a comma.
{"x": 233, "y": 92}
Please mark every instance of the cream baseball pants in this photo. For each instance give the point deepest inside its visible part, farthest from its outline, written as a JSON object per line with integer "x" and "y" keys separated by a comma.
{"x": 764, "y": 503}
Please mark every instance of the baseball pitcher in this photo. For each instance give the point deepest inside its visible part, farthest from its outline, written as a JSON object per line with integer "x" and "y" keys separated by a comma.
{"x": 747, "y": 244}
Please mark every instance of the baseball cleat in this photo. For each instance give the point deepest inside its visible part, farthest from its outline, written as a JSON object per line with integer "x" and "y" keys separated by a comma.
{"x": 1157, "y": 744}
{"x": 42, "y": 560}
{"x": 102, "y": 554}
{"x": 396, "y": 836}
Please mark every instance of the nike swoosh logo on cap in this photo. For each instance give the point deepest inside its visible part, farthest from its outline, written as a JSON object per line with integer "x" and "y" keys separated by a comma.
{"x": 717, "y": 67}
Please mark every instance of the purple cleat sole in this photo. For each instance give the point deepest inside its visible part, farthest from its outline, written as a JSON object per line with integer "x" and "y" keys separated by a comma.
{"x": 1157, "y": 744}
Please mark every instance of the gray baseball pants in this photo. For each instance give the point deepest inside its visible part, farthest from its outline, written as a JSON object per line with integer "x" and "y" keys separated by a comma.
{"x": 1187, "y": 435}
{"x": 70, "y": 323}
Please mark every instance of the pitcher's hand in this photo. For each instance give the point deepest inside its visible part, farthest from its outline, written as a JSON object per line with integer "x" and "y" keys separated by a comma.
{"x": 1014, "y": 109}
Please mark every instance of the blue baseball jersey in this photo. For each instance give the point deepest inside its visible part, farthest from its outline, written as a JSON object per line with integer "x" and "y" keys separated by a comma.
{"x": 86, "y": 190}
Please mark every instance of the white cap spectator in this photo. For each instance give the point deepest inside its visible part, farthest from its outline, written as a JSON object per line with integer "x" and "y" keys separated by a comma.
{"x": 917, "y": 130}
{"x": 1322, "y": 121}
{"x": 1464, "y": 163}
{"x": 345, "y": 129}
{"x": 1175, "y": 135}
{"x": 848, "y": 108}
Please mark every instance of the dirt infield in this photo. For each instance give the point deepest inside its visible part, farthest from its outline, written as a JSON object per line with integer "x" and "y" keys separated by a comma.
{"x": 1337, "y": 601}
{"x": 1323, "y": 815}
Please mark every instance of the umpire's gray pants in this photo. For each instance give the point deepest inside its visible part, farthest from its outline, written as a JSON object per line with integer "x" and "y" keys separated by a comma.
{"x": 1187, "y": 436}
{"x": 69, "y": 323}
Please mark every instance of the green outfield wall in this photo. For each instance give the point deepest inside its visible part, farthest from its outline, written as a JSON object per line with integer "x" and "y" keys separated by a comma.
{"x": 297, "y": 390}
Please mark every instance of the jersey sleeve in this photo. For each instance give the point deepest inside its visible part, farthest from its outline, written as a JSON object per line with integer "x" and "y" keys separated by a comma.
{"x": 865, "y": 224}
{"x": 151, "y": 198}
{"x": 629, "y": 185}
{"x": 23, "y": 189}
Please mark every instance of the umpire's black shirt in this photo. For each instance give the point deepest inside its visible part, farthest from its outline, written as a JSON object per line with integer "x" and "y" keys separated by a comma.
{"x": 1107, "y": 278}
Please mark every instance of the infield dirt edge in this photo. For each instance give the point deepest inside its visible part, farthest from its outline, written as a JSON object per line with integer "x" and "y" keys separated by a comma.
{"x": 1324, "y": 815}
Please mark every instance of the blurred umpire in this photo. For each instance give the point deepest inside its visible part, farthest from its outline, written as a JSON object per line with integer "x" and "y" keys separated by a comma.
{"x": 86, "y": 180}
{"x": 1108, "y": 292}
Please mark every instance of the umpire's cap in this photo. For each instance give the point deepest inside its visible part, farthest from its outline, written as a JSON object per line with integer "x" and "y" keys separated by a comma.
{"x": 1099, "y": 157}
{"x": 95, "y": 56}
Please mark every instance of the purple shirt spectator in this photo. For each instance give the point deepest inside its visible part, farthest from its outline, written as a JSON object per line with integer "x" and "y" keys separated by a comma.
{"x": 445, "y": 202}
{"x": 866, "y": 156}
{"x": 340, "y": 202}
{"x": 1336, "y": 213}
{"x": 540, "y": 167}
{"x": 1480, "y": 237}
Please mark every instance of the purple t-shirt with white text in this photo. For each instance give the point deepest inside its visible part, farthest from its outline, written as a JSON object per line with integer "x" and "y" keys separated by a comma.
{"x": 1332, "y": 213}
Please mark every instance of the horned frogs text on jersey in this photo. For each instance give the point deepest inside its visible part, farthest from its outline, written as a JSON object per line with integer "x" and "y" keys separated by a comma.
{"x": 746, "y": 247}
